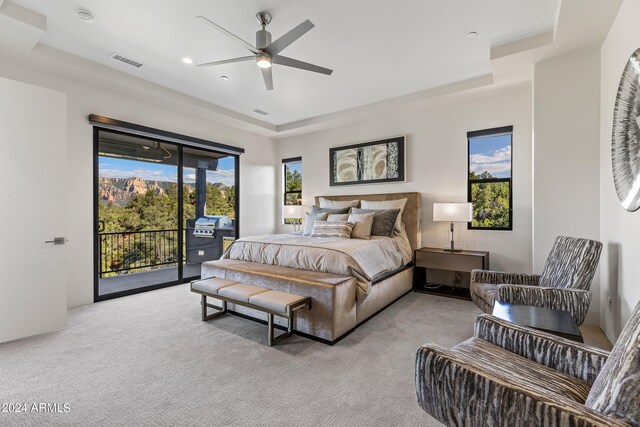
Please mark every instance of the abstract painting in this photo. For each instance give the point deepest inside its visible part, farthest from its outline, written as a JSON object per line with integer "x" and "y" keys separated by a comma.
{"x": 366, "y": 163}
{"x": 625, "y": 140}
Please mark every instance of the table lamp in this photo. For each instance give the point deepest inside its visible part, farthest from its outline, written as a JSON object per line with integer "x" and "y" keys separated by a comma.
{"x": 295, "y": 212}
{"x": 452, "y": 212}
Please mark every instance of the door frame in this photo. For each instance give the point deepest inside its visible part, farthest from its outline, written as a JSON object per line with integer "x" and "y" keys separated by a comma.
{"x": 160, "y": 135}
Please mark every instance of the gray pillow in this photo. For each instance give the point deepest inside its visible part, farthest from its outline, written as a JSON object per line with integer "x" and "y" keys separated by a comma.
{"x": 337, "y": 217}
{"x": 337, "y": 204}
{"x": 340, "y": 229}
{"x": 364, "y": 224}
{"x": 315, "y": 210}
{"x": 384, "y": 220}
{"x": 310, "y": 219}
{"x": 387, "y": 204}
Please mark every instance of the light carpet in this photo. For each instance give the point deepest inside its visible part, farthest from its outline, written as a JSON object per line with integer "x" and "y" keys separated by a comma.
{"x": 148, "y": 359}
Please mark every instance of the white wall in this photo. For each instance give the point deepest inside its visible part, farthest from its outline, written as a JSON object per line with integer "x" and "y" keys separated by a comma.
{"x": 257, "y": 170}
{"x": 566, "y": 149}
{"x": 437, "y": 166}
{"x": 620, "y": 230}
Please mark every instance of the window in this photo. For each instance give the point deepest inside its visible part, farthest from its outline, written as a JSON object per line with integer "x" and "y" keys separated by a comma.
{"x": 292, "y": 179}
{"x": 490, "y": 185}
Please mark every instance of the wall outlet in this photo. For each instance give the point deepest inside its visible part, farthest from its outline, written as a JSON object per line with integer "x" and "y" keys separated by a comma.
{"x": 201, "y": 253}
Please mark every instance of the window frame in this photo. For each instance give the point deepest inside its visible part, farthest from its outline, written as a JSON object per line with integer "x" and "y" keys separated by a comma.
{"x": 284, "y": 179}
{"x": 486, "y": 133}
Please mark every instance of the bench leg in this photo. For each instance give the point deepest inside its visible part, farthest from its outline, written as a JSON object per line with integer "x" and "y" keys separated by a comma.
{"x": 221, "y": 310}
{"x": 271, "y": 338}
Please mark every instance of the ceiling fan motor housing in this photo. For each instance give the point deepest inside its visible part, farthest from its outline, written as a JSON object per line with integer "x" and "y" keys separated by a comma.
{"x": 263, "y": 39}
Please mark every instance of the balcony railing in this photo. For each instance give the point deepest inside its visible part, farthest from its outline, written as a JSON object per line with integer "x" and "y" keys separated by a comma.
{"x": 124, "y": 251}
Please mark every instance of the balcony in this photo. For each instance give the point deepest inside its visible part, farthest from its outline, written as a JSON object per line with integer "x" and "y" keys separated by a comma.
{"x": 133, "y": 260}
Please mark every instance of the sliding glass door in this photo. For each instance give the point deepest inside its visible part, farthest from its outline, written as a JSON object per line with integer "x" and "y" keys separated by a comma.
{"x": 209, "y": 206}
{"x": 161, "y": 210}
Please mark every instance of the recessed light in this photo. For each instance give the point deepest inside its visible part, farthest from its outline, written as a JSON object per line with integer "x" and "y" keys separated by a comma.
{"x": 187, "y": 60}
{"x": 472, "y": 35}
{"x": 86, "y": 16}
{"x": 225, "y": 78}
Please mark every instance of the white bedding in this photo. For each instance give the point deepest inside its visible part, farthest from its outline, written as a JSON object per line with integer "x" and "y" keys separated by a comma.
{"x": 366, "y": 260}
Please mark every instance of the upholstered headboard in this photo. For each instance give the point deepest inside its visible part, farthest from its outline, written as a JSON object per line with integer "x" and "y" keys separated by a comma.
{"x": 411, "y": 217}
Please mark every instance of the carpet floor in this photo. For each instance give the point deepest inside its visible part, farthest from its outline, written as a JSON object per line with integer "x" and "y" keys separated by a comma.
{"x": 147, "y": 359}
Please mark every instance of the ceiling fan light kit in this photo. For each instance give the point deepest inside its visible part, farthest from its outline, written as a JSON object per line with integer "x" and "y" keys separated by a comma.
{"x": 265, "y": 52}
{"x": 263, "y": 61}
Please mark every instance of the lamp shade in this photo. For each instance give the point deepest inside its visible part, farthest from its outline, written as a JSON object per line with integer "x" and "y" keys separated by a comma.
{"x": 452, "y": 212}
{"x": 293, "y": 211}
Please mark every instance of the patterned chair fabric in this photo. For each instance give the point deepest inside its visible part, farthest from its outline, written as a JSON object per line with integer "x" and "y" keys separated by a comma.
{"x": 616, "y": 391}
{"x": 509, "y": 375}
{"x": 563, "y": 285}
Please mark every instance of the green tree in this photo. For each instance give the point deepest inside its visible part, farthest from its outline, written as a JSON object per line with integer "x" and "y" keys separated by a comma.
{"x": 491, "y": 204}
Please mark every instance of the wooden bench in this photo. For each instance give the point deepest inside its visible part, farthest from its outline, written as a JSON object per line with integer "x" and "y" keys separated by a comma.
{"x": 274, "y": 303}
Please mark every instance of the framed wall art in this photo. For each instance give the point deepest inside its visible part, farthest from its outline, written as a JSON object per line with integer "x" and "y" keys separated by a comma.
{"x": 625, "y": 138}
{"x": 368, "y": 162}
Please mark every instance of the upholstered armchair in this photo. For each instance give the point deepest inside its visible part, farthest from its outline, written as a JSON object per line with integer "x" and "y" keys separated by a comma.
{"x": 563, "y": 285}
{"x": 510, "y": 375}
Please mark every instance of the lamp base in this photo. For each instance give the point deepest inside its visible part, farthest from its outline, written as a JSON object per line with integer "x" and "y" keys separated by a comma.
{"x": 452, "y": 250}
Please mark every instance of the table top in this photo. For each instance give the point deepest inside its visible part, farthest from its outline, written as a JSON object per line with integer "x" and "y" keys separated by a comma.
{"x": 463, "y": 252}
{"x": 540, "y": 318}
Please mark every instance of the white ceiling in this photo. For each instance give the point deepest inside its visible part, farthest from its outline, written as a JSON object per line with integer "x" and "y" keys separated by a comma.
{"x": 378, "y": 49}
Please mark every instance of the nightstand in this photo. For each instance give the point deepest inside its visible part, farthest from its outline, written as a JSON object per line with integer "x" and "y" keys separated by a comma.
{"x": 437, "y": 259}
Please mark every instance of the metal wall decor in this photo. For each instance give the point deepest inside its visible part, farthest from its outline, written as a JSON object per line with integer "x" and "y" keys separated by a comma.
{"x": 625, "y": 138}
{"x": 367, "y": 163}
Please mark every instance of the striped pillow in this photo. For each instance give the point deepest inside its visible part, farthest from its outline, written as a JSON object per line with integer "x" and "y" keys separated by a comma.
{"x": 340, "y": 229}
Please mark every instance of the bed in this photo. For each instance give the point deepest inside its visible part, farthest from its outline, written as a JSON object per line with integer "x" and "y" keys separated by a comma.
{"x": 349, "y": 280}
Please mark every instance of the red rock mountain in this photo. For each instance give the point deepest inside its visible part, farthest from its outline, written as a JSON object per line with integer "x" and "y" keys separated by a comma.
{"x": 121, "y": 190}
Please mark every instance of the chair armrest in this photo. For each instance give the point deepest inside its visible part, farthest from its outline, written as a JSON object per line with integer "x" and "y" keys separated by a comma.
{"x": 499, "y": 277}
{"x": 569, "y": 357}
{"x": 575, "y": 301}
{"x": 457, "y": 391}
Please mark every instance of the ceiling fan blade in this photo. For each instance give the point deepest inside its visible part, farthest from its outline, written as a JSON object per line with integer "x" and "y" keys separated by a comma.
{"x": 227, "y": 61}
{"x": 290, "y": 62}
{"x": 230, "y": 34}
{"x": 268, "y": 78}
{"x": 279, "y": 45}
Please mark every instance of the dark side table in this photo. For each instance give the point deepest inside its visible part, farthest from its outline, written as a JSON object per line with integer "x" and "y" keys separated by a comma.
{"x": 556, "y": 322}
{"x": 461, "y": 262}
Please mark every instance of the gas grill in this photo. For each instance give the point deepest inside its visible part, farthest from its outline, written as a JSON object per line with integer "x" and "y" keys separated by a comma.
{"x": 206, "y": 236}
{"x": 205, "y": 226}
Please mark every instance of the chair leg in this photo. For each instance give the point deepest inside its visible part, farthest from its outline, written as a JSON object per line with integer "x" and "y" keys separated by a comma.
{"x": 221, "y": 310}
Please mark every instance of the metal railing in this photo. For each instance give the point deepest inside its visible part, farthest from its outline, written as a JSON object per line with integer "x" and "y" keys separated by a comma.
{"x": 124, "y": 251}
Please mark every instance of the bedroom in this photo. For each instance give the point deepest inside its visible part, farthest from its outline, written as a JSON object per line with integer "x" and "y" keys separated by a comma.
{"x": 526, "y": 78}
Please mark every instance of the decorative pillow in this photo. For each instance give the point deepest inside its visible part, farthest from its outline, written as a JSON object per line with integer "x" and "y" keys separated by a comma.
{"x": 387, "y": 204}
{"x": 338, "y": 217}
{"x": 616, "y": 389}
{"x": 315, "y": 210}
{"x": 384, "y": 220}
{"x": 364, "y": 223}
{"x": 310, "y": 219}
{"x": 341, "y": 229}
{"x": 338, "y": 204}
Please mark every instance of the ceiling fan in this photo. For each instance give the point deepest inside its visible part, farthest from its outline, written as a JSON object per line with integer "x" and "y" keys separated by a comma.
{"x": 266, "y": 52}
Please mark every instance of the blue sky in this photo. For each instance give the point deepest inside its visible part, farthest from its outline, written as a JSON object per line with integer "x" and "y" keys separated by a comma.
{"x": 121, "y": 168}
{"x": 491, "y": 154}
{"x": 297, "y": 166}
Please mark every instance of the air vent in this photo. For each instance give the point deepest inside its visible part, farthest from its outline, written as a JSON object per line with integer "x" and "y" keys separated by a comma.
{"x": 117, "y": 57}
{"x": 264, "y": 113}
